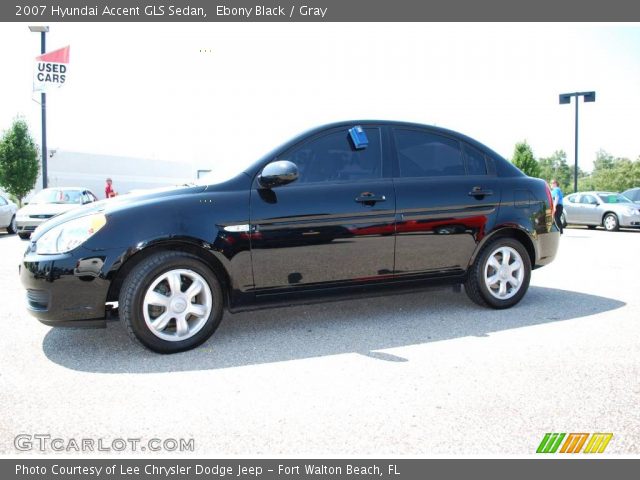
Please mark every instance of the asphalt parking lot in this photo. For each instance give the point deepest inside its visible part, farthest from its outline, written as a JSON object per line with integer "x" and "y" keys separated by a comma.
{"x": 415, "y": 374}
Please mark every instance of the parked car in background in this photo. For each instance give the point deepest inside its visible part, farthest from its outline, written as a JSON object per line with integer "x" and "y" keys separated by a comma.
{"x": 607, "y": 209}
{"x": 348, "y": 208}
{"x": 8, "y": 211}
{"x": 47, "y": 204}
{"x": 633, "y": 194}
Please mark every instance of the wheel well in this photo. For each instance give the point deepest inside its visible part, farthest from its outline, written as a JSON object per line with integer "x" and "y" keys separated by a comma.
{"x": 207, "y": 258}
{"x": 607, "y": 213}
{"x": 516, "y": 234}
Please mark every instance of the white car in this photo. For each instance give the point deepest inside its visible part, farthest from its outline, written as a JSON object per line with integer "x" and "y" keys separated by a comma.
{"x": 48, "y": 203}
{"x": 8, "y": 214}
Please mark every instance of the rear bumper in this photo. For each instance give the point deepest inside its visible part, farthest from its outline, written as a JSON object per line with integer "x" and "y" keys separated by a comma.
{"x": 546, "y": 247}
{"x": 67, "y": 289}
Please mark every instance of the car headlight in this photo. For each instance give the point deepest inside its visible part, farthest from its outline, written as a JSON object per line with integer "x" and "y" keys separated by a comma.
{"x": 631, "y": 211}
{"x": 69, "y": 235}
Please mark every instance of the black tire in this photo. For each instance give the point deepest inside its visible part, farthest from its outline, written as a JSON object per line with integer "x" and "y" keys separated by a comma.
{"x": 475, "y": 285}
{"x": 11, "y": 229}
{"x": 610, "y": 222}
{"x": 24, "y": 236}
{"x": 136, "y": 286}
{"x": 563, "y": 220}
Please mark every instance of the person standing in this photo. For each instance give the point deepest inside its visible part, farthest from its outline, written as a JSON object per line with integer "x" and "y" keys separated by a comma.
{"x": 108, "y": 189}
{"x": 556, "y": 196}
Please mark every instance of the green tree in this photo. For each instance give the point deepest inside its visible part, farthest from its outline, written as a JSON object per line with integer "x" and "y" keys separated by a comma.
{"x": 612, "y": 173}
{"x": 523, "y": 159}
{"x": 556, "y": 167}
{"x": 19, "y": 165}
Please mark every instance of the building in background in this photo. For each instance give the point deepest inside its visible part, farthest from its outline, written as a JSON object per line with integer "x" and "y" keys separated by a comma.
{"x": 90, "y": 170}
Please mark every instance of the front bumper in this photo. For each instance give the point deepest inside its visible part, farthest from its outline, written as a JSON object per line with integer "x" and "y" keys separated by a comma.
{"x": 67, "y": 289}
{"x": 632, "y": 221}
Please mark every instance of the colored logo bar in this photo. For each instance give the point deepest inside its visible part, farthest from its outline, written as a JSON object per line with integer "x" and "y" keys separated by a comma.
{"x": 574, "y": 442}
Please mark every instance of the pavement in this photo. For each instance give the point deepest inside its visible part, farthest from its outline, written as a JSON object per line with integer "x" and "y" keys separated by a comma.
{"x": 417, "y": 374}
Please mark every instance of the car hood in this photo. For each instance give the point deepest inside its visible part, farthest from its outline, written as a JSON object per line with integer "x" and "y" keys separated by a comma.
{"x": 46, "y": 208}
{"x": 121, "y": 202}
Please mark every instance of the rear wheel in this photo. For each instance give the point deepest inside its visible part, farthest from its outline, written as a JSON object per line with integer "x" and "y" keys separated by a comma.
{"x": 610, "y": 222}
{"x": 12, "y": 226}
{"x": 24, "y": 236}
{"x": 500, "y": 275}
{"x": 171, "y": 302}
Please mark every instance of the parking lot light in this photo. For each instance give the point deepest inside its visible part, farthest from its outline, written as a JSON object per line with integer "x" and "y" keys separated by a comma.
{"x": 566, "y": 98}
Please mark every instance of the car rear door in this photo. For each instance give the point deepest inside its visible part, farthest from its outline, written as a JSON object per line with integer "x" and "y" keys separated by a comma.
{"x": 447, "y": 196}
{"x": 332, "y": 226}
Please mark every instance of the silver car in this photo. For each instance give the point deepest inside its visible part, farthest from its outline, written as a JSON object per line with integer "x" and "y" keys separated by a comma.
{"x": 7, "y": 214}
{"x": 48, "y": 203}
{"x": 607, "y": 209}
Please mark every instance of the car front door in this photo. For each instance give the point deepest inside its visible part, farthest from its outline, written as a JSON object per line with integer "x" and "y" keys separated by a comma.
{"x": 589, "y": 210}
{"x": 447, "y": 196}
{"x": 571, "y": 208}
{"x": 333, "y": 225}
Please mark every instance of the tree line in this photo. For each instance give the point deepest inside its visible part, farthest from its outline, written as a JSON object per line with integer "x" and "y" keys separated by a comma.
{"x": 609, "y": 173}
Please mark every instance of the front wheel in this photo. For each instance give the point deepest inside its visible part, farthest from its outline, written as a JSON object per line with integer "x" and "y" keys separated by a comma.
{"x": 171, "y": 302}
{"x": 610, "y": 222}
{"x": 500, "y": 275}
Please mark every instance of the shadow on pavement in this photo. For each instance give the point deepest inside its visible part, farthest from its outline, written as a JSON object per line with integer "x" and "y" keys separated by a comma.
{"x": 292, "y": 333}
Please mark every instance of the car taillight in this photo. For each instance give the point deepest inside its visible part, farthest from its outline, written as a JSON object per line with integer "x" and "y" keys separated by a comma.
{"x": 550, "y": 199}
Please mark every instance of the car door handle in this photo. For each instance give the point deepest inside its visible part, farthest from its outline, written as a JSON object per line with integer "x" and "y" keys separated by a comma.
{"x": 369, "y": 198}
{"x": 480, "y": 192}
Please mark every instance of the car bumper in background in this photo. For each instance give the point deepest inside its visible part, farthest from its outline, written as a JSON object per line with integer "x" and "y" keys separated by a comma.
{"x": 630, "y": 221}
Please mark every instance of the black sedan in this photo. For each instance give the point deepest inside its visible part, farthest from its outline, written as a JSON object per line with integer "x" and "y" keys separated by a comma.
{"x": 348, "y": 208}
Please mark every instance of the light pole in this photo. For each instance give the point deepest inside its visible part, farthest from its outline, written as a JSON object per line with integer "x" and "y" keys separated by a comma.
{"x": 566, "y": 98}
{"x": 43, "y": 102}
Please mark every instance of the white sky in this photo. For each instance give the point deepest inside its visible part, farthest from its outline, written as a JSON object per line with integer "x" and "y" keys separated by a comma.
{"x": 147, "y": 90}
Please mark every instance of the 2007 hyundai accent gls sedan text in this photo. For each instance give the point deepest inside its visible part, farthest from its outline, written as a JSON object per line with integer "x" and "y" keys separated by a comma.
{"x": 347, "y": 208}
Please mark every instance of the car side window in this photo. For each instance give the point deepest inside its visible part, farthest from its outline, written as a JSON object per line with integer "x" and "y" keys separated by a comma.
{"x": 475, "y": 160}
{"x": 588, "y": 199}
{"x": 426, "y": 154}
{"x": 3, "y": 202}
{"x": 333, "y": 157}
{"x": 572, "y": 198}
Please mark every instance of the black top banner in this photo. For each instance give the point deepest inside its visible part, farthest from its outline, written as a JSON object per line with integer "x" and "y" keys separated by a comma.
{"x": 318, "y": 11}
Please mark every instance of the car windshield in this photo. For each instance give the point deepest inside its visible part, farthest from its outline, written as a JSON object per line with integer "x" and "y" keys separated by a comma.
{"x": 55, "y": 195}
{"x": 613, "y": 198}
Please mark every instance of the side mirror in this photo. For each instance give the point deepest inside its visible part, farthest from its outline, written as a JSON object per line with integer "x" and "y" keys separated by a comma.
{"x": 277, "y": 174}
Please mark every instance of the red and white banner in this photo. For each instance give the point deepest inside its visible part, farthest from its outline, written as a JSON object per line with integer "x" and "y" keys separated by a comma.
{"x": 51, "y": 70}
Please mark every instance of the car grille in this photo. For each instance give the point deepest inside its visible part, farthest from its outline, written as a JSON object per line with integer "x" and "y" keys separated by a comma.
{"x": 38, "y": 299}
{"x": 41, "y": 216}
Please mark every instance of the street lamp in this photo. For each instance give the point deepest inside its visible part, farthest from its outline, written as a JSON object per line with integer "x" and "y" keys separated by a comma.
{"x": 566, "y": 98}
{"x": 43, "y": 29}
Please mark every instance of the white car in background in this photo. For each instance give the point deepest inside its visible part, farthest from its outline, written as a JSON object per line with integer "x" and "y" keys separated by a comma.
{"x": 48, "y": 203}
{"x": 7, "y": 214}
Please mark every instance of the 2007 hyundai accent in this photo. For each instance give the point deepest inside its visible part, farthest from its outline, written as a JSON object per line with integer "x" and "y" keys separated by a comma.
{"x": 347, "y": 208}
